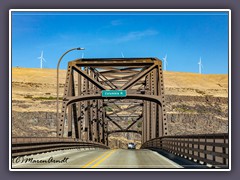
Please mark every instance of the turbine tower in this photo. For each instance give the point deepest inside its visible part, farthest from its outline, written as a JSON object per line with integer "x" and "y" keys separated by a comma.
{"x": 41, "y": 59}
{"x": 165, "y": 62}
{"x": 122, "y": 55}
{"x": 200, "y": 66}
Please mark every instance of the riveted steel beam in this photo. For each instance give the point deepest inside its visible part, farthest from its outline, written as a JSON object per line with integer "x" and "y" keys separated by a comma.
{"x": 84, "y": 110}
{"x": 153, "y": 85}
{"x": 70, "y": 115}
{"x": 130, "y": 70}
{"x": 114, "y": 122}
{"x": 148, "y": 109}
{"x": 89, "y": 78}
{"x": 74, "y": 107}
{"x": 104, "y": 79}
{"x": 121, "y": 62}
{"x": 139, "y": 76}
{"x": 86, "y": 113}
{"x": 61, "y": 120}
{"x": 124, "y": 130}
{"x": 134, "y": 122}
{"x": 125, "y": 109}
{"x": 90, "y": 104}
{"x": 163, "y": 125}
{"x": 80, "y": 117}
{"x": 152, "y": 98}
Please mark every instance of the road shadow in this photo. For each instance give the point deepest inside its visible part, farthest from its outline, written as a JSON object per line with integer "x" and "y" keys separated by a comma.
{"x": 188, "y": 164}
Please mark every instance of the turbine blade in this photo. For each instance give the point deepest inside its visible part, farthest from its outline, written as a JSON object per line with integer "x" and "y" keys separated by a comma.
{"x": 122, "y": 55}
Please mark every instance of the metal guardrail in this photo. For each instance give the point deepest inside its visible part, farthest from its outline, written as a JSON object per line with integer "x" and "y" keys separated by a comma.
{"x": 30, "y": 145}
{"x": 207, "y": 149}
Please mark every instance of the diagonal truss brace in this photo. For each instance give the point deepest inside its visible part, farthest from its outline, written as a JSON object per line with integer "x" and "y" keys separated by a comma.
{"x": 114, "y": 122}
{"x": 92, "y": 80}
{"x": 139, "y": 76}
{"x": 134, "y": 122}
{"x": 125, "y": 109}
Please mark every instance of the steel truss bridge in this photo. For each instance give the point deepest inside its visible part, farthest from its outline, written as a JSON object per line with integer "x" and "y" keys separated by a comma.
{"x": 86, "y": 115}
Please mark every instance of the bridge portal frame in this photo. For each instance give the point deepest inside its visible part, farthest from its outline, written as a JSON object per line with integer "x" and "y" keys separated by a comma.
{"x": 84, "y": 111}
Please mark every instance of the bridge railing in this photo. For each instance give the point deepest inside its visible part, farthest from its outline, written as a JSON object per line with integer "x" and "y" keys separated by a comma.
{"x": 32, "y": 145}
{"x": 207, "y": 149}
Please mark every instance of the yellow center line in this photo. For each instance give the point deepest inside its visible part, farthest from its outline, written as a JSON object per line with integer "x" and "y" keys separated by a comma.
{"x": 103, "y": 159}
{"x": 89, "y": 163}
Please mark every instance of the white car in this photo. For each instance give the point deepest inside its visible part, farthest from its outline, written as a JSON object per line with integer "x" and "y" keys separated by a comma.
{"x": 131, "y": 146}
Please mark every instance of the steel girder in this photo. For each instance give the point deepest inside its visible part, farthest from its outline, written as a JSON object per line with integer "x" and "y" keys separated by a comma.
{"x": 85, "y": 115}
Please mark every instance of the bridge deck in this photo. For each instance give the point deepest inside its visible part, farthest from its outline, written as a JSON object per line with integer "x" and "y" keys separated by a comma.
{"x": 118, "y": 158}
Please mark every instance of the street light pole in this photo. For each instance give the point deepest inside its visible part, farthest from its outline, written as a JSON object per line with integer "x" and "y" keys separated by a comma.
{"x": 58, "y": 77}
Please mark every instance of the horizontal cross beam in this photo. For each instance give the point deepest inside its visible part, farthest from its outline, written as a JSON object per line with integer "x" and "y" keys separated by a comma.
{"x": 139, "y": 76}
{"x": 124, "y": 130}
{"x": 152, "y": 98}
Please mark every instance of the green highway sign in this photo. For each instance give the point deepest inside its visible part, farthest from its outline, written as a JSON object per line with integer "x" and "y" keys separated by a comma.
{"x": 114, "y": 93}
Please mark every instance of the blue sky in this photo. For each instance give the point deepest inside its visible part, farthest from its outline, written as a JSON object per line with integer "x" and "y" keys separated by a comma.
{"x": 183, "y": 36}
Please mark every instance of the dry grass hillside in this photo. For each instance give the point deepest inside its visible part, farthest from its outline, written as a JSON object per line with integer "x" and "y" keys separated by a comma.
{"x": 194, "y": 84}
{"x": 193, "y": 80}
{"x": 36, "y": 75}
{"x": 175, "y": 82}
{"x": 172, "y": 79}
{"x": 195, "y": 103}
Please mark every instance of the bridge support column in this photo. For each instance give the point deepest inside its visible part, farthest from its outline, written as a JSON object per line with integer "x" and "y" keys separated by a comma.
{"x": 100, "y": 120}
{"x": 74, "y": 106}
{"x": 105, "y": 128}
{"x": 95, "y": 119}
{"x": 80, "y": 117}
{"x": 144, "y": 122}
{"x": 69, "y": 90}
{"x": 162, "y": 120}
{"x": 153, "y": 85}
{"x": 69, "y": 119}
{"x": 61, "y": 120}
{"x": 148, "y": 108}
{"x": 85, "y": 109}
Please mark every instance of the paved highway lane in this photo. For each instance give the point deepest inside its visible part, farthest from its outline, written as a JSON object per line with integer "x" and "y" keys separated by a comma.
{"x": 116, "y": 158}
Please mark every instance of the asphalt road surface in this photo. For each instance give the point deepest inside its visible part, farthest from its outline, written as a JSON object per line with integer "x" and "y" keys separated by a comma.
{"x": 114, "y": 158}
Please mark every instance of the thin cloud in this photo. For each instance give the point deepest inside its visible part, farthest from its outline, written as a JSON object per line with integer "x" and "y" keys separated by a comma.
{"x": 134, "y": 35}
{"x": 116, "y": 22}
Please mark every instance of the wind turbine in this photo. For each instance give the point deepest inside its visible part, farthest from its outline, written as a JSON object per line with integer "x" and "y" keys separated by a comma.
{"x": 165, "y": 62}
{"x": 200, "y": 66}
{"x": 41, "y": 59}
{"x": 122, "y": 55}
